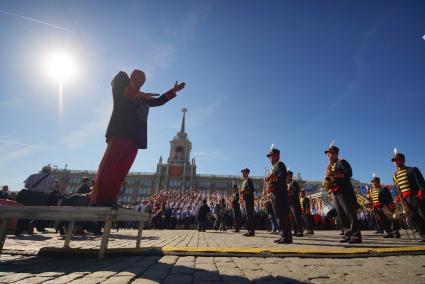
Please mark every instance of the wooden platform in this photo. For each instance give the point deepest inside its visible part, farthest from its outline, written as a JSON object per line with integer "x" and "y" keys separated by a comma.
{"x": 71, "y": 215}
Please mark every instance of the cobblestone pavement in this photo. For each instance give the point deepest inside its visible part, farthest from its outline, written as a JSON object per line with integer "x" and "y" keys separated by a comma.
{"x": 191, "y": 269}
{"x": 160, "y": 238}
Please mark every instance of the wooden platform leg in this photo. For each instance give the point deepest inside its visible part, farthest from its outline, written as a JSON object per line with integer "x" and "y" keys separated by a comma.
{"x": 69, "y": 232}
{"x": 105, "y": 239}
{"x": 139, "y": 234}
{"x": 3, "y": 232}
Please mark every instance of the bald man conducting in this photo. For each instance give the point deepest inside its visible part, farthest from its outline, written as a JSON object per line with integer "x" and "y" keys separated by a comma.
{"x": 126, "y": 133}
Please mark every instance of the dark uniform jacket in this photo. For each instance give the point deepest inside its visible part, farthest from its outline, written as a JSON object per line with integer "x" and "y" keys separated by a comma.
{"x": 305, "y": 203}
{"x": 294, "y": 193}
{"x": 277, "y": 181}
{"x": 343, "y": 174}
{"x": 413, "y": 183}
{"x": 247, "y": 189}
{"x": 235, "y": 200}
{"x": 84, "y": 188}
{"x": 129, "y": 117}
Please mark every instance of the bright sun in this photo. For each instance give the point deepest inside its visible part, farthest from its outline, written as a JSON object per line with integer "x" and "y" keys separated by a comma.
{"x": 61, "y": 66}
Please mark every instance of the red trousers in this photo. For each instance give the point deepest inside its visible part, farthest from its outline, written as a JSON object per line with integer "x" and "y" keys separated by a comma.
{"x": 116, "y": 162}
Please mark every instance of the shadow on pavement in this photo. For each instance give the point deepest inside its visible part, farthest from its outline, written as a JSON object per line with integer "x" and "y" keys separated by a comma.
{"x": 29, "y": 237}
{"x": 129, "y": 269}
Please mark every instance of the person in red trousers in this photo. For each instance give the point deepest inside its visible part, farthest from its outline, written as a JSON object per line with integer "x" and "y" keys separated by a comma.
{"x": 126, "y": 133}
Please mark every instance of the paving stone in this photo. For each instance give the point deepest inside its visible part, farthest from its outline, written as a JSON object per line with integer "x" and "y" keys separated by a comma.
{"x": 206, "y": 276}
{"x": 174, "y": 279}
{"x": 118, "y": 279}
{"x": 14, "y": 277}
{"x": 65, "y": 278}
{"x": 146, "y": 281}
{"x": 87, "y": 281}
{"x": 33, "y": 280}
{"x": 182, "y": 270}
{"x": 100, "y": 274}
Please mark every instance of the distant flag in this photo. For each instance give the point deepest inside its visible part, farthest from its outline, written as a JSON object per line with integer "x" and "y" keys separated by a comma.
{"x": 395, "y": 151}
{"x": 272, "y": 147}
{"x": 332, "y": 143}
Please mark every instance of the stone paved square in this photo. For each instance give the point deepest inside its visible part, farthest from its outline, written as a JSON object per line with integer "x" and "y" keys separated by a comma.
{"x": 19, "y": 264}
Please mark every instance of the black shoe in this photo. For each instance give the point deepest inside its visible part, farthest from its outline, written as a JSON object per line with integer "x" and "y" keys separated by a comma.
{"x": 397, "y": 235}
{"x": 342, "y": 234}
{"x": 379, "y": 232}
{"x": 355, "y": 241}
{"x": 344, "y": 240}
{"x": 41, "y": 230}
{"x": 300, "y": 235}
{"x": 388, "y": 236}
{"x": 284, "y": 241}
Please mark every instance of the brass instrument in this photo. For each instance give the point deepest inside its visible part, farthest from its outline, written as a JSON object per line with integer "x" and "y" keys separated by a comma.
{"x": 329, "y": 181}
{"x": 364, "y": 202}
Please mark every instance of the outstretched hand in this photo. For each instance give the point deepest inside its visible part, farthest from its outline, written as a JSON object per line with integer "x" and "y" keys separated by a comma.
{"x": 178, "y": 87}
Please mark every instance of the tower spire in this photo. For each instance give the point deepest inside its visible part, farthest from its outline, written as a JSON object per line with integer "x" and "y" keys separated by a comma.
{"x": 184, "y": 110}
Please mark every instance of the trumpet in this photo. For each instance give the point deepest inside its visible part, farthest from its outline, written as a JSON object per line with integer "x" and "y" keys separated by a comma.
{"x": 329, "y": 180}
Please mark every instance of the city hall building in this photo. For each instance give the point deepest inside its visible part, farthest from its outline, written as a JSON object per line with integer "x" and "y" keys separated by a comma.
{"x": 177, "y": 173}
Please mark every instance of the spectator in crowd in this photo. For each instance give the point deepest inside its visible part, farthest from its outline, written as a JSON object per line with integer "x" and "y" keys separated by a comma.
{"x": 42, "y": 181}
{"x": 203, "y": 216}
{"x": 85, "y": 186}
{"x": 4, "y": 193}
{"x": 272, "y": 217}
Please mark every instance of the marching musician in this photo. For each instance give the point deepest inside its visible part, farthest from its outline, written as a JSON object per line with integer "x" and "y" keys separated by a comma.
{"x": 411, "y": 186}
{"x": 306, "y": 212}
{"x": 338, "y": 181}
{"x": 277, "y": 187}
{"x": 236, "y": 208}
{"x": 247, "y": 191}
{"x": 383, "y": 207}
{"x": 294, "y": 204}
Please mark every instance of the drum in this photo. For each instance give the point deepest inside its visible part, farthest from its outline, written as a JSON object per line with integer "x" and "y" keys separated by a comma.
{"x": 328, "y": 208}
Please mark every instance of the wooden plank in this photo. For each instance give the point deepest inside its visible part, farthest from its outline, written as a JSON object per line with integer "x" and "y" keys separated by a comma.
{"x": 71, "y": 213}
{"x": 105, "y": 239}
{"x": 3, "y": 232}
{"x": 69, "y": 232}
{"x": 131, "y": 215}
{"x": 56, "y": 213}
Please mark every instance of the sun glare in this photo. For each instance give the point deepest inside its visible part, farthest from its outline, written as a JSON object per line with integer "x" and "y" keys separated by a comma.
{"x": 61, "y": 66}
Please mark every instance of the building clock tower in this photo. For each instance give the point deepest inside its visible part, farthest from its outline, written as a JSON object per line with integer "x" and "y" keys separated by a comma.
{"x": 180, "y": 171}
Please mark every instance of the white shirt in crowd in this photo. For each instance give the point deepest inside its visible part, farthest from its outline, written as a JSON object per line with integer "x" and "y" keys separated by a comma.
{"x": 47, "y": 185}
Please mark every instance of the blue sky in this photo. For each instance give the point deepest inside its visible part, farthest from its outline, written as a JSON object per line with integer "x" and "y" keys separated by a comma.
{"x": 298, "y": 74}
